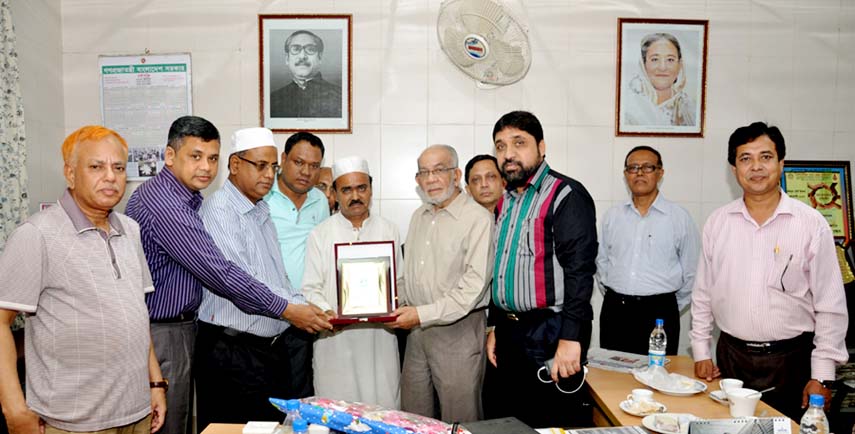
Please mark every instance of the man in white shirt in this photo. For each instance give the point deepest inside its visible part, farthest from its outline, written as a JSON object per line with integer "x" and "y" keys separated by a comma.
{"x": 646, "y": 261}
{"x": 358, "y": 362}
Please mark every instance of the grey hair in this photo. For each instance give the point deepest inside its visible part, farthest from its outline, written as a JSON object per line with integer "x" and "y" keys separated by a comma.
{"x": 653, "y": 37}
{"x": 451, "y": 151}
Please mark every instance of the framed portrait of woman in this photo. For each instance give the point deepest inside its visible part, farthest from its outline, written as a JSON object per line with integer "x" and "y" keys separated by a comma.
{"x": 305, "y": 72}
{"x": 661, "y": 77}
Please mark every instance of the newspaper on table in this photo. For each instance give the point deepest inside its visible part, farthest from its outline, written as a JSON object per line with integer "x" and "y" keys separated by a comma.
{"x": 617, "y": 361}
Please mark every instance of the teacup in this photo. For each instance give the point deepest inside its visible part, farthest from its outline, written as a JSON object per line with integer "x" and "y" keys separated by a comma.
{"x": 728, "y": 384}
{"x": 743, "y": 402}
{"x": 640, "y": 395}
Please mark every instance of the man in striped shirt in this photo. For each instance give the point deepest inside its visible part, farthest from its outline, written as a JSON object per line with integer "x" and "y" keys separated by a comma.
{"x": 243, "y": 359}
{"x": 546, "y": 246}
{"x": 769, "y": 279}
{"x": 182, "y": 257}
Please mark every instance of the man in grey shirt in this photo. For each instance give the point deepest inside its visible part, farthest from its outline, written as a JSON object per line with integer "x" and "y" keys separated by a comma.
{"x": 79, "y": 271}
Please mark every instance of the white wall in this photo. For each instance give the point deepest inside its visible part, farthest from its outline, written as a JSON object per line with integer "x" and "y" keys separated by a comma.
{"x": 37, "y": 28}
{"x": 788, "y": 62}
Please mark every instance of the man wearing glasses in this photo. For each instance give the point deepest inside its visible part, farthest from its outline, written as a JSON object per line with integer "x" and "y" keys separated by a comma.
{"x": 308, "y": 95}
{"x": 646, "y": 261}
{"x": 296, "y": 207}
{"x": 447, "y": 269}
{"x": 242, "y": 359}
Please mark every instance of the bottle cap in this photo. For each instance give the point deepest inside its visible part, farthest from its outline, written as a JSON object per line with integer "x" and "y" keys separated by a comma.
{"x": 300, "y": 425}
{"x": 817, "y": 400}
{"x": 659, "y": 322}
{"x": 292, "y": 404}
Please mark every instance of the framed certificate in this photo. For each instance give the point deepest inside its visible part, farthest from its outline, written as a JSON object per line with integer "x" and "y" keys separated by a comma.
{"x": 826, "y": 187}
{"x": 366, "y": 283}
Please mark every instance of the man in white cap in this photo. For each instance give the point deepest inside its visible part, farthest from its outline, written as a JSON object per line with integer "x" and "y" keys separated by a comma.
{"x": 243, "y": 359}
{"x": 360, "y": 361}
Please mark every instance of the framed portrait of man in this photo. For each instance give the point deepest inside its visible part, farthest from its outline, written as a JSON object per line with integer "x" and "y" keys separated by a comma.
{"x": 661, "y": 77}
{"x": 305, "y": 73}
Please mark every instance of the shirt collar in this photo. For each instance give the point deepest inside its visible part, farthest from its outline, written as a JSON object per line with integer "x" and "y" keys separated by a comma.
{"x": 302, "y": 84}
{"x": 536, "y": 179}
{"x": 785, "y": 206}
{"x": 659, "y": 204}
{"x": 313, "y": 195}
{"x": 344, "y": 222}
{"x": 192, "y": 198}
{"x": 241, "y": 203}
{"x": 81, "y": 222}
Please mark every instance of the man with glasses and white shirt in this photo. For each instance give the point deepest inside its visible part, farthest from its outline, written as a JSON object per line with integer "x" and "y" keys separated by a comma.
{"x": 646, "y": 262}
{"x": 243, "y": 359}
{"x": 447, "y": 269}
{"x": 308, "y": 95}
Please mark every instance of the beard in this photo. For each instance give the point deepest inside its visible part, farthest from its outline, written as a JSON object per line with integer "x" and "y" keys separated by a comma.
{"x": 520, "y": 177}
{"x": 439, "y": 200}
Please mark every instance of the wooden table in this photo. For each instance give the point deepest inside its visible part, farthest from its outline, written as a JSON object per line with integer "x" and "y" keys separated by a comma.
{"x": 609, "y": 388}
{"x": 223, "y": 428}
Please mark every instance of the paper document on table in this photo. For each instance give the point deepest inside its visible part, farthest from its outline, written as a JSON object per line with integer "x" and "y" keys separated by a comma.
{"x": 618, "y": 361}
{"x": 762, "y": 425}
{"x": 609, "y": 430}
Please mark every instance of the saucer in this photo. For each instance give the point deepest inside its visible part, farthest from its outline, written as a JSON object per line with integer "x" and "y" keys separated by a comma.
{"x": 719, "y": 396}
{"x": 627, "y": 406}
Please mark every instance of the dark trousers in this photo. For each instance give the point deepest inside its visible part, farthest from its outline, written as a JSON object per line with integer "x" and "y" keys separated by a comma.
{"x": 522, "y": 346}
{"x": 627, "y": 320}
{"x": 236, "y": 373}
{"x": 785, "y": 365}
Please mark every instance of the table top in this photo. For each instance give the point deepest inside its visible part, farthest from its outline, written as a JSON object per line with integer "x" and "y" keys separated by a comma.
{"x": 609, "y": 388}
{"x": 223, "y": 428}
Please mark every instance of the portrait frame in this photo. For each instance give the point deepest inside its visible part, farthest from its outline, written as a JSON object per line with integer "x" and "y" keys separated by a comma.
{"x": 363, "y": 257}
{"x": 639, "y": 110}
{"x": 825, "y": 186}
{"x": 280, "y": 108}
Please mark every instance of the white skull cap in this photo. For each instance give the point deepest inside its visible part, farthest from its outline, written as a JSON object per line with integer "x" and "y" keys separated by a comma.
{"x": 346, "y": 165}
{"x": 251, "y": 138}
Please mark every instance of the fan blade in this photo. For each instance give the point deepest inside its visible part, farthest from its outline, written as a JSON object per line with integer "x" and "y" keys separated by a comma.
{"x": 484, "y": 17}
{"x": 509, "y": 58}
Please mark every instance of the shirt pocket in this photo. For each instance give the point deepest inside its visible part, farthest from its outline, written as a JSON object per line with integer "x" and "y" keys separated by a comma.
{"x": 534, "y": 238}
{"x": 788, "y": 276}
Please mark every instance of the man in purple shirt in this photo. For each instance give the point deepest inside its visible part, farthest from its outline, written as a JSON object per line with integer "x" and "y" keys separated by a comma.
{"x": 182, "y": 257}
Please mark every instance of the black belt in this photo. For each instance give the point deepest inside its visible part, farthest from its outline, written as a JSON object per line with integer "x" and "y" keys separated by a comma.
{"x": 772, "y": 347}
{"x": 184, "y": 317}
{"x": 623, "y": 298}
{"x": 526, "y": 317}
{"x": 239, "y": 335}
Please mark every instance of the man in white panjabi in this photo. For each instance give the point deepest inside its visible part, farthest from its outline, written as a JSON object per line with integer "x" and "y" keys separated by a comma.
{"x": 358, "y": 362}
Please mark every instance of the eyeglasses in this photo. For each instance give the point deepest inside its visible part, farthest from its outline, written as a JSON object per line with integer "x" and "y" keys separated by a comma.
{"x": 261, "y": 166}
{"x": 644, "y": 168}
{"x": 435, "y": 172}
{"x": 309, "y": 49}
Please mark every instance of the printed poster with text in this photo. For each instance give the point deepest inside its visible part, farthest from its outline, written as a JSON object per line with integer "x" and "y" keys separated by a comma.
{"x": 140, "y": 98}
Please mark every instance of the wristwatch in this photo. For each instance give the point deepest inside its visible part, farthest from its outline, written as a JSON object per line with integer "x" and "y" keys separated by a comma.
{"x": 163, "y": 384}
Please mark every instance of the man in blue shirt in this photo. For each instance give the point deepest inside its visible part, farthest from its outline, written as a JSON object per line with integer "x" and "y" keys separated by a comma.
{"x": 182, "y": 257}
{"x": 646, "y": 261}
{"x": 242, "y": 359}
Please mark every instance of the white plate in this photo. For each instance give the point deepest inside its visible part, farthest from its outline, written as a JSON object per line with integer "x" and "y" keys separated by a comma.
{"x": 697, "y": 387}
{"x": 626, "y": 406}
{"x": 649, "y": 422}
{"x": 719, "y": 396}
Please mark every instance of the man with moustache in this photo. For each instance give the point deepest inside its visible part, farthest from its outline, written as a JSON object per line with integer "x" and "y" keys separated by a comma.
{"x": 242, "y": 359}
{"x": 769, "y": 279}
{"x": 484, "y": 181}
{"x": 308, "y": 95}
{"x": 448, "y": 265}
{"x": 325, "y": 181}
{"x": 358, "y": 362}
{"x": 646, "y": 260}
{"x": 78, "y": 269}
{"x": 296, "y": 207}
{"x": 543, "y": 275}
{"x": 182, "y": 257}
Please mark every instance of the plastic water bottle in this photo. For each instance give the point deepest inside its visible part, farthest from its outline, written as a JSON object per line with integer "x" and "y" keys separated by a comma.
{"x": 814, "y": 420}
{"x": 292, "y": 411}
{"x": 658, "y": 342}
{"x": 300, "y": 426}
